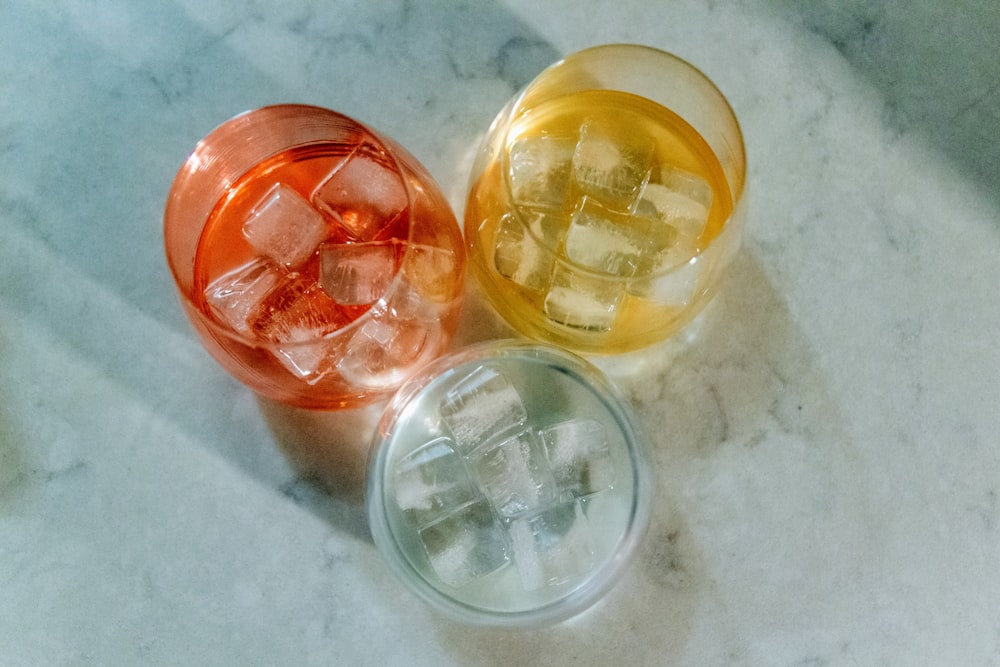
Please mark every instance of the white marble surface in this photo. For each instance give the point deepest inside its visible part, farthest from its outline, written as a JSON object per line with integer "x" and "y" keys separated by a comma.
{"x": 826, "y": 443}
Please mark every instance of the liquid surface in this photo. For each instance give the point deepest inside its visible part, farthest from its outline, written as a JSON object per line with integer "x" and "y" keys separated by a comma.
{"x": 225, "y": 247}
{"x": 509, "y": 484}
{"x": 596, "y": 225}
{"x": 311, "y": 261}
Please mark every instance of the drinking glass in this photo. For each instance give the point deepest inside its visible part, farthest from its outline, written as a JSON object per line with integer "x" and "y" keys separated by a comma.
{"x": 607, "y": 200}
{"x": 508, "y": 484}
{"x": 317, "y": 260}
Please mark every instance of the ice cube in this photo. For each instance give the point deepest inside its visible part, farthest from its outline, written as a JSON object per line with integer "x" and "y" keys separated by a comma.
{"x": 526, "y": 256}
{"x": 601, "y": 240}
{"x": 553, "y": 546}
{"x": 309, "y": 361}
{"x": 674, "y": 285}
{"x": 679, "y": 199}
{"x": 540, "y": 169}
{"x": 582, "y": 300}
{"x": 234, "y": 296}
{"x": 357, "y": 273}
{"x": 297, "y": 315}
{"x": 296, "y": 310}
{"x": 686, "y": 183}
{"x": 579, "y": 457}
{"x": 405, "y": 302}
{"x": 284, "y": 226}
{"x": 385, "y": 351}
{"x": 514, "y": 474}
{"x": 431, "y": 272}
{"x": 432, "y": 481}
{"x": 364, "y": 194}
{"x": 482, "y": 407}
{"x": 610, "y": 166}
{"x": 673, "y": 269}
{"x": 661, "y": 240}
{"x": 466, "y": 545}
{"x": 669, "y": 247}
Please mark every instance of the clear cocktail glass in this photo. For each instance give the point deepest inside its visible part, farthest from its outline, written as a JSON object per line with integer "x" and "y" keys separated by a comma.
{"x": 508, "y": 484}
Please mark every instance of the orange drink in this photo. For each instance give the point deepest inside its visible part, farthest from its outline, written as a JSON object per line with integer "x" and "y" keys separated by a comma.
{"x": 318, "y": 261}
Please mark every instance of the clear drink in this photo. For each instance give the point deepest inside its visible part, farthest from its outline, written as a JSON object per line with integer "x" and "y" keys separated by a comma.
{"x": 317, "y": 260}
{"x": 606, "y": 200}
{"x": 508, "y": 485}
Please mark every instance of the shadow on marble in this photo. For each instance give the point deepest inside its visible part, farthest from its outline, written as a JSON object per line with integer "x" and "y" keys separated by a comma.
{"x": 328, "y": 450}
{"x": 741, "y": 376}
{"x": 935, "y": 64}
{"x": 10, "y": 457}
{"x": 12, "y": 475}
{"x": 479, "y": 321}
{"x": 25, "y": 467}
{"x": 475, "y": 42}
{"x": 644, "y": 620}
{"x": 740, "y": 373}
{"x": 147, "y": 108}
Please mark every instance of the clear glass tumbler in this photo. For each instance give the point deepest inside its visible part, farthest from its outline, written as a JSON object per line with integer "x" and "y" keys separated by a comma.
{"x": 607, "y": 199}
{"x": 317, "y": 259}
{"x": 508, "y": 485}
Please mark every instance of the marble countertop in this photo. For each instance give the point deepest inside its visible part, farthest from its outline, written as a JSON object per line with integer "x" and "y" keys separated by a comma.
{"x": 825, "y": 440}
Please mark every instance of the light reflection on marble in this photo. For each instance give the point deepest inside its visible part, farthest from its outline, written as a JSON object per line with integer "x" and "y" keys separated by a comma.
{"x": 825, "y": 437}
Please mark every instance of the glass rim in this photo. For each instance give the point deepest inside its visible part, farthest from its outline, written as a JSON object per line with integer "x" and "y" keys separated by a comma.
{"x": 606, "y": 574}
{"x": 737, "y": 190}
{"x": 189, "y": 168}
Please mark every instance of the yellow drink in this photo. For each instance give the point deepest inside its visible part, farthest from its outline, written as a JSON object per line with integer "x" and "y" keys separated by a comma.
{"x": 607, "y": 199}
{"x": 590, "y": 226}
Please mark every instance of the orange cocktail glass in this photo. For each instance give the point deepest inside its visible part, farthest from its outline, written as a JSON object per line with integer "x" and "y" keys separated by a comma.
{"x": 317, "y": 259}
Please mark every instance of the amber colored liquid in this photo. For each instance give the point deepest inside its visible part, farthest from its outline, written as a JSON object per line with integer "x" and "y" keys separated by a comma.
{"x": 223, "y": 248}
{"x": 638, "y": 321}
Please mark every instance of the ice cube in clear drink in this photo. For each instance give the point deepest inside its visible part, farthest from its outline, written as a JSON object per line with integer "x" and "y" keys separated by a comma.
{"x": 364, "y": 194}
{"x": 579, "y": 456}
{"x": 432, "y": 481}
{"x": 514, "y": 474}
{"x": 385, "y": 351}
{"x": 604, "y": 241}
{"x": 234, "y": 296}
{"x": 284, "y": 227}
{"x": 484, "y": 406}
{"x": 466, "y": 545}
{"x": 357, "y": 273}
{"x": 553, "y": 546}
{"x": 540, "y": 169}
{"x": 583, "y": 300}
{"x": 612, "y": 166}
{"x": 526, "y": 256}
